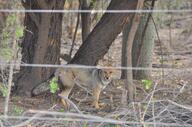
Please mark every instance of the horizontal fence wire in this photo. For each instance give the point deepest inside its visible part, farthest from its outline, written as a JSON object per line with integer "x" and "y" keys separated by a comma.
{"x": 93, "y": 67}
{"x": 96, "y": 11}
{"x": 97, "y": 120}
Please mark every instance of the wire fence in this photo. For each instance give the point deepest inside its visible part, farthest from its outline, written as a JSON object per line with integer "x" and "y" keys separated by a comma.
{"x": 146, "y": 112}
{"x": 96, "y": 11}
{"x": 94, "y": 67}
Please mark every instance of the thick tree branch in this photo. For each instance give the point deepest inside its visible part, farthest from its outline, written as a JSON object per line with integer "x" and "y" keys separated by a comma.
{"x": 85, "y": 19}
{"x": 35, "y": 18}
{"x": 43, "y": 4}
{"x": 99, "y": 40}
{"x": 129, "y": 79}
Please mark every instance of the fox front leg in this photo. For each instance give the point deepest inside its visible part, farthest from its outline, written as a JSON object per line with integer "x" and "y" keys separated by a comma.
{"x": 96, "y": 94}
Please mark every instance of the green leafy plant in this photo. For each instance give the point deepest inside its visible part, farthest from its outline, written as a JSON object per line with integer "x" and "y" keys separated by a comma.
{"x": 12, "y": 31}
{"x": 6, "y": 53}
{"x": 112, "y": 125}
{"x": 3, "y": 90}
{"x": 11, "y": 19}
{"x": 92, "y": 2}
{"x": 147, "y": 84}
{"x": 62, "y": 110}
{"x": 85, "y": 124}
{"x": 53, "y": 85}
{"x": 17, "y": 110}
{"x": 19, "y": 32}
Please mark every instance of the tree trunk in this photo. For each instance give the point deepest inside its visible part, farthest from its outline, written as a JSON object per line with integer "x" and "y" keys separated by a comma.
{"x": 99, "y": 40}
{"x": 126, "y": 30}
{"x": 143, "y": 49}
{"x": 85, "y": 19}
{"x": 129, "y": 86}
{"x": 41, "y": 43}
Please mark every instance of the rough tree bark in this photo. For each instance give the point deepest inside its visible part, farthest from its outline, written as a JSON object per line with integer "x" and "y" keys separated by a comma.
{"x": 142, "y": 47}
{"x": 41, "y": 43}
{"x": 125, "y": 32}
{"x": 129, "y": 86}
{"x": 99, "y": 40}
{"x": 144, "y": 44}
{"x": 85, "y": 19}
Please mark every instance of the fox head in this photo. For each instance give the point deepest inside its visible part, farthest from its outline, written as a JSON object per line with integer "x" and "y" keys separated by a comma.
{"x": 108, "y": 73}
{"x": 58, "y": 72}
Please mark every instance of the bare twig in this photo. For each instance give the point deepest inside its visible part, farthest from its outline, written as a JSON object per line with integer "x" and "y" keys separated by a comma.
{"x": 10, "y": 78}
{"x": 149, "y": 101}
{"x": 181, "y": 106}
{"x": 129, "y": 79}
{"x": 89, "y": 118}
{"x": 1, "y": 124}
{"x": 22, "y": 124}
{"x": 75, "y": 34}
{"x": 71, "y": 103}
{"x": 84, "y": 88}
{"x": 161, "y": 50}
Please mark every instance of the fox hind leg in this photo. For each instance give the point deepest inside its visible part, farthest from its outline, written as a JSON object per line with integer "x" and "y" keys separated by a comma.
{"x": 64, "y": 94}
{"x": 67, "y": 81}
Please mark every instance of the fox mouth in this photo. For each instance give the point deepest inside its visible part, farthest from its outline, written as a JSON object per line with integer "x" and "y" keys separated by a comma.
{"x": 106, "y": 77}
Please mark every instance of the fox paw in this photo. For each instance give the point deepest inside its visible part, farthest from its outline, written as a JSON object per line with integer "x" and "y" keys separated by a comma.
{"x": 98, "y": 105}
{"x": 66, "y": 105}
